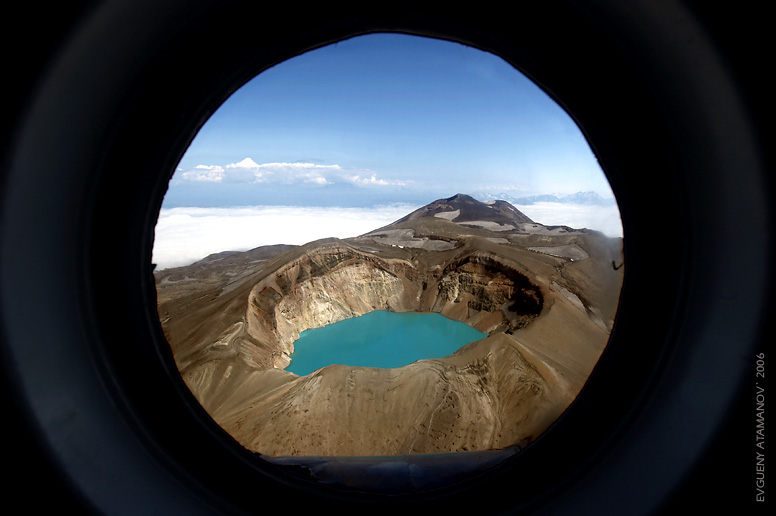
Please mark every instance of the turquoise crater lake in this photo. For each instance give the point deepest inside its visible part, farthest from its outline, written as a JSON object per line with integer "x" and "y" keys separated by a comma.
{"x": 380, "y": 339}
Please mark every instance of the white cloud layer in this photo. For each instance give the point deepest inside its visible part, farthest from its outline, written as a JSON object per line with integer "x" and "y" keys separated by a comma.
{"x": 605, "y": 219}
{"x": 373, "y": 181}
{"x": 185, "y": 235}
{"x": 248, "y": 171}
{"x": 205, "y": 173}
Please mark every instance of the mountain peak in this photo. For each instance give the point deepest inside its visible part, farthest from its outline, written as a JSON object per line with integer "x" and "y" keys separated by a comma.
{"x": 462, "y": 208}
{"x": 459, "y": 197}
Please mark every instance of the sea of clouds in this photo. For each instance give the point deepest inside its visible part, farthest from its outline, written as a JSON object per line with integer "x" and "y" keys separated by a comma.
{"x": 185, "y": 235}
{"x": 603, "y": 218}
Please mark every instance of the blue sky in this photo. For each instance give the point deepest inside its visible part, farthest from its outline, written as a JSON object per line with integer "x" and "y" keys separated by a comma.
{"x": 381, "y": 120}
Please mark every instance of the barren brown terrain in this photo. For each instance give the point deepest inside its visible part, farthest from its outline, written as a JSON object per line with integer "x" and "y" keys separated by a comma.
{"x": 546, "y": 297}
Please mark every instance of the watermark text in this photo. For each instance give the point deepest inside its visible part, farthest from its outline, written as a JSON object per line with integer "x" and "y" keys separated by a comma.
{"x": 759, "y": 462}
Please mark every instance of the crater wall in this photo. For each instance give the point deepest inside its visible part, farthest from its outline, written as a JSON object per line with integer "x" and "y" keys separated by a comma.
{"x": 337, "y": 282}
{"x": 232, "y": 337}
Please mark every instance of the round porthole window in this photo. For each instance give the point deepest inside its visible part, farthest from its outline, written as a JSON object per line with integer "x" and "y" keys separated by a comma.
{"x": 351, "y": 303}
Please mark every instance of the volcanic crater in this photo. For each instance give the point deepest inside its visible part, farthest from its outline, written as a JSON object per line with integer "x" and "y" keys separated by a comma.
{"x": 232, "y": 320}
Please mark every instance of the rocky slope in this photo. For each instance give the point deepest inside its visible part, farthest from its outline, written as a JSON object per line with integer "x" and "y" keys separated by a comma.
{"x": 546, "y": 296}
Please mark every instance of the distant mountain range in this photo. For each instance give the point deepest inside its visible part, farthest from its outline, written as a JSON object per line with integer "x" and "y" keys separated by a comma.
{"x": 587, "y": 198}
